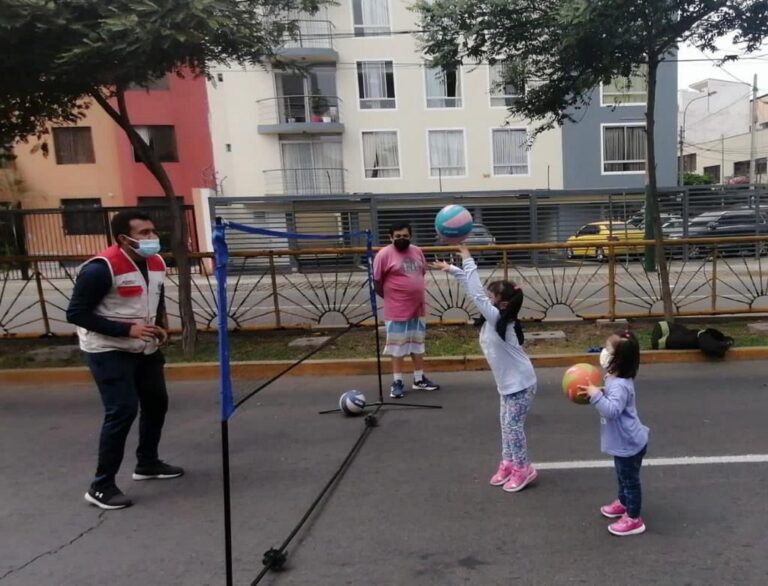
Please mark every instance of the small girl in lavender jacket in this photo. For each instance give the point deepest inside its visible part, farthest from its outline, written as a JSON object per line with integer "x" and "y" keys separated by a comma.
{"x": 622, "y": 434}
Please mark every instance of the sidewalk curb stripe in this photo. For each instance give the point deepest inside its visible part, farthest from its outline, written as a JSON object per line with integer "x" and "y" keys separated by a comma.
{"x": 195, "y": 371}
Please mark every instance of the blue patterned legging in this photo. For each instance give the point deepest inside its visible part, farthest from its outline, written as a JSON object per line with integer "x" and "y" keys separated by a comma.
{"x": 512, "y": 413}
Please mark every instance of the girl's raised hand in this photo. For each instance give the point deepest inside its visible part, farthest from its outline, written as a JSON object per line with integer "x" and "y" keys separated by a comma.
{"x": 440, "y": 265}
{"x": 464, "y": 252}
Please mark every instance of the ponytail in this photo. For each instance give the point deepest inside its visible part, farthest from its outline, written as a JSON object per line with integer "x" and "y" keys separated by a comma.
{"x": 513, "y": 296}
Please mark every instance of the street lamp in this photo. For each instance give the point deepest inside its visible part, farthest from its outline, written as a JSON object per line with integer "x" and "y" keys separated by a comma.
{"x": 682, "y": 136}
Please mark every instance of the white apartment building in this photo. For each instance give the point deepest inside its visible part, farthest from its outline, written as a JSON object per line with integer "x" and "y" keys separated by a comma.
{"x": 370, "y": 115}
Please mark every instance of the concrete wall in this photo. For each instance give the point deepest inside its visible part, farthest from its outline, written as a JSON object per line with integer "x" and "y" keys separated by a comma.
{"x": 582, "y": 141}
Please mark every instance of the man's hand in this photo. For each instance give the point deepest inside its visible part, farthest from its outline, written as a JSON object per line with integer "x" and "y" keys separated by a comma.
{"x": 147, "y": 333}
{"x": 162, "y": 336}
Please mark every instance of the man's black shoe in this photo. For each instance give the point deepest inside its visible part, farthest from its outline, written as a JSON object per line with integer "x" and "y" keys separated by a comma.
{"x": 159, "y": 470}
{"x": 108, "y": 498}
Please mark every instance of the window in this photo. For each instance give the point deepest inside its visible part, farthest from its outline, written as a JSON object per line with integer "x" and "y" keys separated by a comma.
{"x": 446, "y": 153}
{"x": 83, "y": 216}
{"x": 73, "y": 146}
{"x": 371, "y": 17}
{"x": 443, "y": 87}
{"x": 689, "y": 163}
{"x": 161, "y": 140}
{"x": 624, "y": 148}
{"x": 627, "y": 91}
{"x": 311, "y": 167}
{"x": 376, "y": 85}
{"x": 761, "y": 166}
{"x": 588, "y": 230}
{"x": 308, "y": 96}
{"x": 741, "y": 168}
{"x": 713, "y": 173}
{"x": 510, "y": 152}
{"x": 381, "y": 157}
{"x": 504, "y": 90}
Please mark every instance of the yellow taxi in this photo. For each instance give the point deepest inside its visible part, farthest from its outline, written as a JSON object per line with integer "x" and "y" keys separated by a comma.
{"x": 581, "y": 242}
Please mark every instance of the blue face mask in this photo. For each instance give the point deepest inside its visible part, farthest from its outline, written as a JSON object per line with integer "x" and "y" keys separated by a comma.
{"x": 146, "y": 248}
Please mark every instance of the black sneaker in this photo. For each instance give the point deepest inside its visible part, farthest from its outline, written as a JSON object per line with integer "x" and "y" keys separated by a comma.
{"x": 108, "y": 498}
{"x": 425, "y": 385}
{"x": 159, "y": 470}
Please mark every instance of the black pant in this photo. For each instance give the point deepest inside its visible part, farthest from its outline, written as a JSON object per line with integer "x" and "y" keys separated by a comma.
{"x": 126, "y": 382}
{"x": 628, "y": 474}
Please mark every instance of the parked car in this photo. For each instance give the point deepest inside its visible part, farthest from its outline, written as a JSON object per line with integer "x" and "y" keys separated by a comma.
{"x": 481, "y": 236}
{"x": 600, "y": 232}
{"x": 727, "y": 223}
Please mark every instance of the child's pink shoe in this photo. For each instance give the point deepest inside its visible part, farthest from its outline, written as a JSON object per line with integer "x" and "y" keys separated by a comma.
{"x": 503, "y": 473}
{"x": 614, "y": 510}
{"x": 627, "y": 526}
{"x": 521, "y": 477}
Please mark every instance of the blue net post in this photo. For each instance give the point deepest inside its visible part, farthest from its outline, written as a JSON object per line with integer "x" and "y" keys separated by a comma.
{"x": 221, "y": 257}
{"x": 374, "y": 307}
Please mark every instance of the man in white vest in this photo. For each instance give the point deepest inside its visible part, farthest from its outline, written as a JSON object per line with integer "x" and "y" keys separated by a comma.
{"x": 118, "y": 307}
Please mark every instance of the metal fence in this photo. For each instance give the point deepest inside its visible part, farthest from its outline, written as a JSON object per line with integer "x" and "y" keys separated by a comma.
{"x": 58, "y": 234}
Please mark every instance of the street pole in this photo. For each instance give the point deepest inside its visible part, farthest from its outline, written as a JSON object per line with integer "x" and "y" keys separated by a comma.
{"x": 752, "y": 133}
{"x": 680, "y": 167}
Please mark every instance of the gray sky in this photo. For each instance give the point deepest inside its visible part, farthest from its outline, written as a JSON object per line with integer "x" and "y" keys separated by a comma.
{"x": 692, "y": 71}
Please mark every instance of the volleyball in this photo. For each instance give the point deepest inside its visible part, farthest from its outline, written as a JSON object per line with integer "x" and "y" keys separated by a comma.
{"x": 453, "y": 224}
{"x": 580, "y": 375}
{"x": 352, "y": 403}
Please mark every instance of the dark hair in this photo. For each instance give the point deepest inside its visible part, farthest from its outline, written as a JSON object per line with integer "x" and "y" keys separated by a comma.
{"x": 400, "y": 225}
{"x": 513, "y": 295}
{"x": 626, "y": 355}
{"x": 121, "y": 222}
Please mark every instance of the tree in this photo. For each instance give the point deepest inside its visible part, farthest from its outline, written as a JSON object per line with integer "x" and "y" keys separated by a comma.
{"x": 58, "y": 57}
{"x": 696, "y": 179}
{"x": 569, "y": 47}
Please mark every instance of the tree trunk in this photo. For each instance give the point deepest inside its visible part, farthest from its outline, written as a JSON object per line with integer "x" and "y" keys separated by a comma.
{"x": 179, "y": 223}
{"x": 651, "y": 195}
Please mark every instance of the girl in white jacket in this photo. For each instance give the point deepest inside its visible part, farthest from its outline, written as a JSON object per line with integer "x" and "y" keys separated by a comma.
{"x": 501, "y": 339}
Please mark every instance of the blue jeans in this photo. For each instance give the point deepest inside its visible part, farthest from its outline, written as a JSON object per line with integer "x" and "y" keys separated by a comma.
{"x": 127, "y": 382}
{"x": 628, "y": 475}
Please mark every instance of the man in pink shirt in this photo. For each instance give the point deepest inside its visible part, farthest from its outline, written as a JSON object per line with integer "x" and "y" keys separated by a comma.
{"x": 398, "y": 274}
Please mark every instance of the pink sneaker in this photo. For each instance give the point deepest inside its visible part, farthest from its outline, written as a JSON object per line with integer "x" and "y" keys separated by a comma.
{"x": 503, "y": 473}
{"x": 614, "y": 510}
{"x": 627, "y": 526}
{"x": 521, "y": 477}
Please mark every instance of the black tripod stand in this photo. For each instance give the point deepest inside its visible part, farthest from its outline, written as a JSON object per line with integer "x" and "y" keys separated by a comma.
{"x": 381, "y": 402}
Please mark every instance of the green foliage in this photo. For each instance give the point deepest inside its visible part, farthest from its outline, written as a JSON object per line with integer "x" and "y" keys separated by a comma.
{"x": 56, "y": 53}
{"x": 568, "y": 47}
{"x": 696, "y": 179}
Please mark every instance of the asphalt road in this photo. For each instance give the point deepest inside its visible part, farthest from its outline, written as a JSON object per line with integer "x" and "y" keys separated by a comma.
{"x": 414, "y": 508}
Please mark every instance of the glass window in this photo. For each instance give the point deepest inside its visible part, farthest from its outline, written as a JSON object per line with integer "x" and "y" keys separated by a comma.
{"x": 73, "y": 146}
{"x": 510, "y": 152}
{"x": 161, "y": 140}
{"x": 84, "y": 216}
{"x": 624, "y": 149}
{"x": 623, "y": 91}
{"x": 505, "y": 91}
{"x": 713, "y": 173}
{"x": 376, "y": 85}
{"x": 446, "y": 153}
{"x": 380, "y": 154}
{"x": 443, "y": 87}
{"x": 371, "y": 17}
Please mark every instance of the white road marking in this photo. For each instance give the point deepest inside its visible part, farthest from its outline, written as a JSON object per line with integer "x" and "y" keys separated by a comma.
{"x": 681, "y": 461}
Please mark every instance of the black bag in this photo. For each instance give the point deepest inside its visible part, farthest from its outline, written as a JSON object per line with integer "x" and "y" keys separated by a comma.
{"x": 666, "y": 336}
{"x": 714, "y": 342}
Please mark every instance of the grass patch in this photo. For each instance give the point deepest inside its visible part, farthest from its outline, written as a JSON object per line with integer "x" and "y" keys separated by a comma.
{"x": 441, "y": 341}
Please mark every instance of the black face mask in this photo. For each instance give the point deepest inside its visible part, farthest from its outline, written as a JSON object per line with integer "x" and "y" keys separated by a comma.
{"x": 402, "y": 244}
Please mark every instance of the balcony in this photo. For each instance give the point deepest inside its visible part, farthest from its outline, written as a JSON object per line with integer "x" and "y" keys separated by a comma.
{"x": 300, "y": 115}
{"x": 313, "y": 43}
{"x": 315, "y": 181}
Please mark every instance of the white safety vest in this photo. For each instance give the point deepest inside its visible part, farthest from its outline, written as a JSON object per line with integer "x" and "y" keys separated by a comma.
{"x": 130, "y": 300}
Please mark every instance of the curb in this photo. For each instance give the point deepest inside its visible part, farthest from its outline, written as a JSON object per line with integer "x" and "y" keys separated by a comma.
{"x": 191, "y": 371}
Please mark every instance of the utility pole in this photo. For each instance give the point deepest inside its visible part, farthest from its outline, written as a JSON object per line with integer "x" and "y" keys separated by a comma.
{"x": 752, "y": 133}
{"x": 722, "y": 159}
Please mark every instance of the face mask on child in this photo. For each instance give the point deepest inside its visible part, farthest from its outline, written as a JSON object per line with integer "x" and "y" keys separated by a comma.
{"x": 605, "y": 358}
